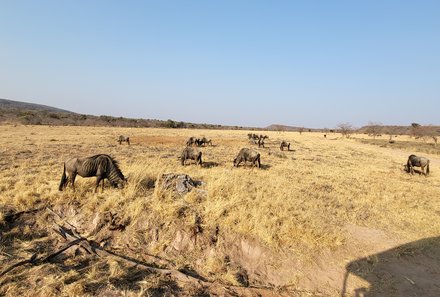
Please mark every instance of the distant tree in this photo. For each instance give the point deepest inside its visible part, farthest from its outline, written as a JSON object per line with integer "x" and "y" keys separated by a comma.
{"x": 416, "y": 130}
{"x": 170, "y": 124}
{"x": 346, "y": 129}
{"x": 374, "y": 129}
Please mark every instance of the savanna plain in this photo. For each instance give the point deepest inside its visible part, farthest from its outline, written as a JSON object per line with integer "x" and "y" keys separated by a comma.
{"x": 331, "y": 216}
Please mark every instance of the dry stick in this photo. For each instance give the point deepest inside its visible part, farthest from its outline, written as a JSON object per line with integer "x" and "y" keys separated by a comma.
{"x": 14, "y": 216}
{"x": 38, "y": 261}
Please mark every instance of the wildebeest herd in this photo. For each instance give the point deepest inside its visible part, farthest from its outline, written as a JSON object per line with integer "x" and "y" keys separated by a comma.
{"x": 105, "y": 167}
{"x": 257, "y": 139}
{"x": 198, "y": 141}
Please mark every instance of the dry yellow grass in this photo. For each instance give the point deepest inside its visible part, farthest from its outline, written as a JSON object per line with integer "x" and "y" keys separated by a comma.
{"x": 300, "y": 203}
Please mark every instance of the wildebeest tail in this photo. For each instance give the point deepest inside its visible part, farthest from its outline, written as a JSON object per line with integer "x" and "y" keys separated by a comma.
{"x": 63, "y": 179}
{"x": 258, "y": 160}
{"x": 427, "y": 168}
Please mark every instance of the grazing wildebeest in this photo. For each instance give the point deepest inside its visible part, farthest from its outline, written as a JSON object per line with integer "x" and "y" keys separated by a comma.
{"x": 102, "y": 166}
{"x": 206, "y": 141}
{"x": 191, "y": 141}
{"x": 421, "y": 162}
{"x": 245, "y": 155}
{"x": 123, "y": 138}
{"x": 190, "y": 153}
{"x": 284, "y": 144}
{"x": 261, "y": 142}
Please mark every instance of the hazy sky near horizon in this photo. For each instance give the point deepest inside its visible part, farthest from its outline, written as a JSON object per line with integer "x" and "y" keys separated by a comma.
{"x": 247, "y": 63}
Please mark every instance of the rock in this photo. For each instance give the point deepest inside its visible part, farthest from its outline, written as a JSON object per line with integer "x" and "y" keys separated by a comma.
{"x": 180, "y": 183}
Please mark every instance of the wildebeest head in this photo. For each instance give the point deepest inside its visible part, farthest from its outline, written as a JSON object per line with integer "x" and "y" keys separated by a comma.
{"x": 235, "y": 162}
{"x": 118, "y": 184}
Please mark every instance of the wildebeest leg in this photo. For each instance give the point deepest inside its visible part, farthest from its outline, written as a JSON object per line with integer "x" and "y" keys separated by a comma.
{"x": 98, "y": 179}
{"x": 72, "y": 180}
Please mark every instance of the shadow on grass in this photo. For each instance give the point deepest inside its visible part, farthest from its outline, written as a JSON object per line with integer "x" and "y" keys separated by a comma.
{"x": 210, "y": 164}
{"x": 412, "y": 269}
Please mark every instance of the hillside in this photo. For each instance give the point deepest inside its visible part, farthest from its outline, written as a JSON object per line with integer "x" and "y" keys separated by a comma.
{"x": 16, "y": 112}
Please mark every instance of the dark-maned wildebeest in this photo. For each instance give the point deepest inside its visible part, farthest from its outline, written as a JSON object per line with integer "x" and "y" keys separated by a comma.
{"x": 102, "y": 166}
{"x": 421, "y": 162}
{"x": 198, "y": 142}
{"x": 246, "y": 155}
{"x": 190, "y": 153}
{"x": 284, "y": 144}
{"x": 123, "y": 138}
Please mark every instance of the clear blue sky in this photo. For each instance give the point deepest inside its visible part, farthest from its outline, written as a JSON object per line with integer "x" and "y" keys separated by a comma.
{"x": 250, "y": 63}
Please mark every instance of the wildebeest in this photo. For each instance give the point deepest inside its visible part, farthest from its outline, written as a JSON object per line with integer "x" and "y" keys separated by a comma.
{"x": 191, "y": 141}
{"x": 421, "y": 162}
{"x": 102, "y": 166}
{"x": 198, "y": 142}
{"x": 206, "y": 141}
{"x": 245, "y": 155}
{"x": 257, "y": 139}
{"x": 123, "y": 138}
{"x": 284, "y": 144}
{"x": 202, "y": 141}
{"x": 190, "y": 153}
{"x": 254, "y": 137}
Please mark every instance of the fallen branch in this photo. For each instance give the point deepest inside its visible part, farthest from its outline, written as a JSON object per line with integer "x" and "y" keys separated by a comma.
{"x": 34, "y": 260}
{"x": 9, "y": 218}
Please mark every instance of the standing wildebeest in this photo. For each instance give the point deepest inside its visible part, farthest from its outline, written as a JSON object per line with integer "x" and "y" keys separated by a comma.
{"x": 421, "y": 162}
{"x": 124, "y": 139}
{"x": 190, "y": 153}
{"x": 198, "y": 142}
{"x": 102, "y": 166}
{"x": 253, "y": 137}
{"x": 245, "y": 155}
{"x": 284, "y": 144}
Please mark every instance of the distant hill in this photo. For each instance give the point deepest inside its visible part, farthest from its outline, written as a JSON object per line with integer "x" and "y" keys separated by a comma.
{"x": 17, "y": 105}
{"x": 16, "y": 112}
{"x": 278, "y": 127}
